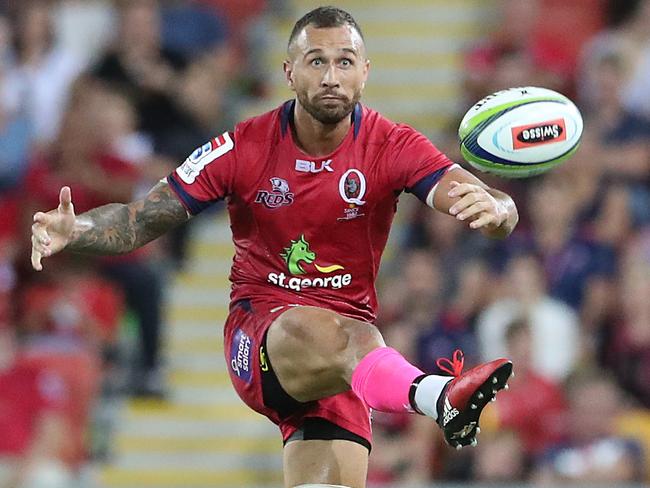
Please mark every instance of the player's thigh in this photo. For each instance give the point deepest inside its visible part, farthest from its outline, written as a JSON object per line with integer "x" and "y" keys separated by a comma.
{"x": 335, "y": 462}
{"x": 313, "y": 351}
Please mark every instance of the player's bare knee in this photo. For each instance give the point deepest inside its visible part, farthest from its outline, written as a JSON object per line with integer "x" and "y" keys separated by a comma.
{"x": 324, "y": 340}
{"x": 312, "y": 338}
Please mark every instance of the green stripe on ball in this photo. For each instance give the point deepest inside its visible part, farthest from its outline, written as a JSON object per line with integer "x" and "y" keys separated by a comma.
{"x": 470, "y": 125}
{"x": 512, "y": 171}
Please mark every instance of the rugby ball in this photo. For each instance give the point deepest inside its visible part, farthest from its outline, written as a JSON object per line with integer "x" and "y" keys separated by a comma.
{"x": 520, "y": 132}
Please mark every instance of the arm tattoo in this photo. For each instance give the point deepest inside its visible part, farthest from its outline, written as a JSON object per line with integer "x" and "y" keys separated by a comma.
{"x": 119, "y": 228}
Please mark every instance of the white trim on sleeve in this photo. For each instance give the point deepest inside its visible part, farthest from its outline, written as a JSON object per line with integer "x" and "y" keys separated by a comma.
{"x": 432, "y": 192}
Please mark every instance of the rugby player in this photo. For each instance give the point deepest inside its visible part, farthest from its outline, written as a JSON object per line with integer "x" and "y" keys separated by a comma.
{"x": 312, "y": 189}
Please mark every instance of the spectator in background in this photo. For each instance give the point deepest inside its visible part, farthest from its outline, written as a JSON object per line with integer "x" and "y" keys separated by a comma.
{"x": 553, "y": 325}
{"x": 66, "y": 324}
{"x": 9, "y": 245}
{"x": 451, "y": 326}
{"x": 414, "y": 316}
{"x": 593, "y": 453}
{"x": 413, "y": 297}
{"x": 249, "y": 25}
{"x": 200, "y": 35}
{"x": 72, "y": 307}
{"x": 619, "y": 135}
{"x": 636, "y": 32}
{"x": 440, "y": 234}
{"x": 16, "y": 132}
{"x": 43, "y": 72}
{"x": 500, "y": 459}
{"x": 78, "y": 158}
{"x": 627, "y": 352}
{"x": 16, "y": 127}
{"x": 204, "y": 96}
{"x": 83, "y": 159}
{"x": 571, "y": 259}
{"x": 33, "y": 440}
{"x": 534, "y": 406}
{"x": 85, "y": 27}
{"x": 537, "y": 43}
{"x": 175, "y": 71}
{"x": 192, "y": 30}
{"x": 180, "y": 101}
{"x": 144, "y": 70}
{"x": 611, "y": 227}
{"x": 406, "y": 445}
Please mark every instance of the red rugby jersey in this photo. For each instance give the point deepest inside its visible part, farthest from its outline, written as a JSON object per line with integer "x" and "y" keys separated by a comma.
{"x": 309, "y": 230}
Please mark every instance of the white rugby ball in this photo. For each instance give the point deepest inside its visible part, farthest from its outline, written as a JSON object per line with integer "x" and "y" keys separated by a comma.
{"x": 520, "y": 132}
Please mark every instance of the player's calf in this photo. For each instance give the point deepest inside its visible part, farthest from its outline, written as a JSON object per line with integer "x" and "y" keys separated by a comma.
{"x": 388, "y": 383}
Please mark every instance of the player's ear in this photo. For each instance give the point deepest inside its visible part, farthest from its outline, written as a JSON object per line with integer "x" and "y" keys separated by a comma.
{"x": 366, "y": 71}
{"x": 288, "y": 72}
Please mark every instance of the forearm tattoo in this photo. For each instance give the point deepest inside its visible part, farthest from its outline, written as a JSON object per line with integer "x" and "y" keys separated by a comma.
{"x": 119, "y": 228}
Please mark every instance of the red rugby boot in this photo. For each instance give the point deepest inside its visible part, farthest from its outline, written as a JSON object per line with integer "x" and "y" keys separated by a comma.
{"x": 462, "y": 400}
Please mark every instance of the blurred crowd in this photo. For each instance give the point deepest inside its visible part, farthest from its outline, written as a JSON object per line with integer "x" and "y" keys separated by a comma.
{"x": 567, "y": 296}
{"x": 106, "y": 97}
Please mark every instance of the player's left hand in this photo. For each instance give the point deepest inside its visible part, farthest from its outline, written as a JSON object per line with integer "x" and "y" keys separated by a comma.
{"x": 476, "y": 206}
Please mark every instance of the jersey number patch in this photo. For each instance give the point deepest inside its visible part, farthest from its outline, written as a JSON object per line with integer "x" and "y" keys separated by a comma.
{"x": 204, "y": 155}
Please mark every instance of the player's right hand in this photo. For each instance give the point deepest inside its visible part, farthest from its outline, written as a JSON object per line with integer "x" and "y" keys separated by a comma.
{"x": 52, "y": 231}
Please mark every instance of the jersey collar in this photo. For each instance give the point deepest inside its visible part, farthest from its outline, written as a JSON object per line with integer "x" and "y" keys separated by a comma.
{"x": 286, "y": 117}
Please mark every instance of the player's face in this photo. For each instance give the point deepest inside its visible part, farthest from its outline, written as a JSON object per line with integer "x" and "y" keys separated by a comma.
{"x": 327, "y": 69}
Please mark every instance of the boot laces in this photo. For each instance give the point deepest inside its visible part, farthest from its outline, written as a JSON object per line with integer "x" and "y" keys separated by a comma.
{"x": 453, "y": 366}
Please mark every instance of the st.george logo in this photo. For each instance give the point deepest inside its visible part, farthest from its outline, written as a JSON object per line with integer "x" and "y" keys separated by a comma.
{"x": 296, "y": 256}
{"x": 278, "y": 196}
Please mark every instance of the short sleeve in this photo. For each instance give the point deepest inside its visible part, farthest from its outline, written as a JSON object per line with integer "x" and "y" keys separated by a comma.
{"x": 207, "y": 175}
{"x": 417, "y": 163}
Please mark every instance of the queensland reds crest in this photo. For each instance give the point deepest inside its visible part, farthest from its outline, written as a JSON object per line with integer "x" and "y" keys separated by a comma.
{"x": 352, "y": 188}
{"x": 278, "y": 196}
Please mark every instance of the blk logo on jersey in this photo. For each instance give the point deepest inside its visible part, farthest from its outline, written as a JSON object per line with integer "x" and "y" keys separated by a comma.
{"x": 311, "y": 167}
{"x": 278, "y": 196}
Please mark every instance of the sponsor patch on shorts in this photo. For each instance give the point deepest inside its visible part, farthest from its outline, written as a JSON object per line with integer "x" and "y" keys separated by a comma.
{"x": 241, "y": 352}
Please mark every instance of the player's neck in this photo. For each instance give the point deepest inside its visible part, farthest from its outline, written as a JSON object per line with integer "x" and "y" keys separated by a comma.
{"x": 316, "y": 138}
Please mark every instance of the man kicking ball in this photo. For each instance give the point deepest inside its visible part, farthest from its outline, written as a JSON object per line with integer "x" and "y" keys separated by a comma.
{"x": 312, "y": 188}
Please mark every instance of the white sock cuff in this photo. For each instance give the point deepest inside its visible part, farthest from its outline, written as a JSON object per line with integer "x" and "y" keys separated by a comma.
{"x": 427, "y": 393}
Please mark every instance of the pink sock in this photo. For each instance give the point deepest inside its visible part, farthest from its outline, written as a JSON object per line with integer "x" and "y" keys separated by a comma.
{"x": 383, "y": 379}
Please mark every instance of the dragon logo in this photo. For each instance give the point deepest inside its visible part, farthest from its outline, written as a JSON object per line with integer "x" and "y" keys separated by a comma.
{"x": 296, "y": 253}
{"x": 299, "y": 252}
{"x": 296, "y": 256}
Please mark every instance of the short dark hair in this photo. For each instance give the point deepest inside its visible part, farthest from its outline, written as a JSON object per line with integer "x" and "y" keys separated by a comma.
{"x": 323, "y": 18}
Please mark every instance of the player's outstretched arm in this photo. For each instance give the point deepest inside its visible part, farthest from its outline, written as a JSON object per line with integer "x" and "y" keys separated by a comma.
{"x": 115, "y": 228}
{"x": 467, "y": 198}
